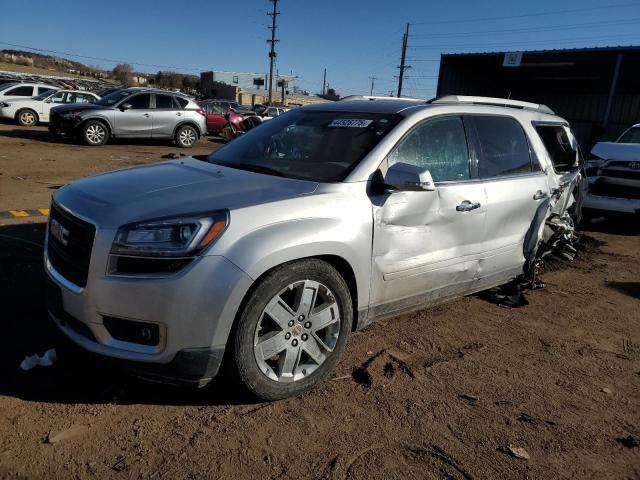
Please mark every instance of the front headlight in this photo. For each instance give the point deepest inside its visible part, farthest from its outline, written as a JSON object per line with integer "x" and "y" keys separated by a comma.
{"x": 171, "y": 237}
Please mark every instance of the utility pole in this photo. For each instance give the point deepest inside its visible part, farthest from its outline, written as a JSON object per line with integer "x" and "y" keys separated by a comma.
{"x": 403, "y": 67}
{"x": 272, "y": 53}
{"x": 373, "y": 79}
{"x": 324, "y": 82}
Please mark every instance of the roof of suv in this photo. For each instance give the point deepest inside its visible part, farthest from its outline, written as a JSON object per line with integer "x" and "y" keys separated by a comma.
{"x": 396, "y": 105}
{"x": 154, "y": 90}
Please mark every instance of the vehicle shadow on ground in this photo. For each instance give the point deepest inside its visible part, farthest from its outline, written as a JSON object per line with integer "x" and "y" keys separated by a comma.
{"x": 76, "y": 377}
{"x": 631, "y": 289}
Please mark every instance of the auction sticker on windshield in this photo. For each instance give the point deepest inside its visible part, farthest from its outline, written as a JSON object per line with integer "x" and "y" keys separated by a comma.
{"x": 350, "y": 123}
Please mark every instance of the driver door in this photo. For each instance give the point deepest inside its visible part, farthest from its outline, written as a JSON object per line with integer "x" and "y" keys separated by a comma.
{"x": 427, "y": 244}
{"x": 137, "y": 121}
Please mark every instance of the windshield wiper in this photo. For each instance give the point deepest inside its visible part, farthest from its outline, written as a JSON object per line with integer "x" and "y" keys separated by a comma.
{"x": 250, "y": 167}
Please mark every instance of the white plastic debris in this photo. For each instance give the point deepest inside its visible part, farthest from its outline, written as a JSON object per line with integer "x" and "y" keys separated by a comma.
{"x": 46, "y": 360}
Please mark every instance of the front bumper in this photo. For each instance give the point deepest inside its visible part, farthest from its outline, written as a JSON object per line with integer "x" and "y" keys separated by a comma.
{"x": 193, "y": 309}
{"x": 611, "y": 204}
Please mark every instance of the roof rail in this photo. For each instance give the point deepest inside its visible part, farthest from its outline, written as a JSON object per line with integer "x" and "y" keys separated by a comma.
{"x": 499, "y": 102}
{"x": 378, "y": 98}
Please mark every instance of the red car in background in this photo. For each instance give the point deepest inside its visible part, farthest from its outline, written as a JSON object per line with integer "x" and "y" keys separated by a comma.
{"x": 216, "y": 111}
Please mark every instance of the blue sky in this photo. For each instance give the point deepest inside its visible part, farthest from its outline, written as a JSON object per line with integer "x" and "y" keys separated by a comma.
{"x": 353, "y": 39}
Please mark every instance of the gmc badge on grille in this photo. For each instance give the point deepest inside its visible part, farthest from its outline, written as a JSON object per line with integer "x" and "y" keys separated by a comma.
{"x": 59, "y": 232}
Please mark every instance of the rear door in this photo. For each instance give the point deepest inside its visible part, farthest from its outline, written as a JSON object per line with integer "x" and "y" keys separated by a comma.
{"x": 428, "y": 244}
{"x": 215, "y": 117}
{"x": 516, "y": 190}
{"x": 166, "y": 116}
{"x": 138, "y": 120}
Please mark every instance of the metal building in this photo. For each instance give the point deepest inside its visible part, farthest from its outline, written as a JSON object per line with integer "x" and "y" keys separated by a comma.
{"x": 596, "y": 89}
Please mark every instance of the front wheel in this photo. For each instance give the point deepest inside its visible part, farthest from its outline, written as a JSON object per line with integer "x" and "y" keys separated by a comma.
{"x": 293, "y": 329}
{"x": 27, "y": 117}
{"x": 186, "y": 136}
{"x": 95, "y": 133}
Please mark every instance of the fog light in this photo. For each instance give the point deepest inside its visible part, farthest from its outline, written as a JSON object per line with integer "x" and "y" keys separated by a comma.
{"x": 142, "y": 333}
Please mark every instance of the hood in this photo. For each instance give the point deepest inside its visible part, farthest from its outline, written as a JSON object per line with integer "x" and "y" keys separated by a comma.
{"x": 173, "y": 188}
{"x": 616, "y": 151}
{"x": 76, "y": 107}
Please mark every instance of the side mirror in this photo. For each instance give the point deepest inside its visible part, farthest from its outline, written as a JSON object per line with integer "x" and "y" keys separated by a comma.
{"x": 409, "y": 178}
{"x": 126, "y": 106}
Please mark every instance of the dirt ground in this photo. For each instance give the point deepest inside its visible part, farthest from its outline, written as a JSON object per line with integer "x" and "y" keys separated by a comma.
{"x": 445, "y": 392}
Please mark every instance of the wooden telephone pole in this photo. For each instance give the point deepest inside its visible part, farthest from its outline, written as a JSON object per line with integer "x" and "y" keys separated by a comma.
{"x": 273, "y": 40}
{"x": 403, "y": 66}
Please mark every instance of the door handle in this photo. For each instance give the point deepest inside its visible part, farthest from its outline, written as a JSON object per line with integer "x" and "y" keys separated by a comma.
{"x": 539, "y": 195}
{"x": 179, "y": 114}
{"x": 467, "y": 206}
{"x": 147, "y": 115}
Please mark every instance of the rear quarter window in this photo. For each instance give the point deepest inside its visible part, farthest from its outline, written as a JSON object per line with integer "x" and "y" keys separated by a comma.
{"x": 504, "y": 148}
{"x": 183, "y": 102}
{"x": 556, "y": 141}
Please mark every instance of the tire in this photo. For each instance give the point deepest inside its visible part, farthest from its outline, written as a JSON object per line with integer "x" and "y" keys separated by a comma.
{"x": 186, "y": 136}
{"x": 27, "y": 117}
{"x": 303, "y": 349}
{"x": 95, "y": 133}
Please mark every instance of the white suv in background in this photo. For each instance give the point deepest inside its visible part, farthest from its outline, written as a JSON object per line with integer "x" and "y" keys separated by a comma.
{"x": 29, "y": 111}
{"x": 14, "y": 90}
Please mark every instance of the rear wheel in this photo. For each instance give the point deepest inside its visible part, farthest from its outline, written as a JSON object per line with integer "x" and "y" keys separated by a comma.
{"x": 95, "y": 133}
{"x": 186, "y": 136}
{"x": 27, "y": 117}
{"x": 293, "y": 329}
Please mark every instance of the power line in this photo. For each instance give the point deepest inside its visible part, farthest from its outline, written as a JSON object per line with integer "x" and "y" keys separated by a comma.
{"x": 550, "y": 28}
{"x": 527, "y": 15}
{"x": 528, "y": 42}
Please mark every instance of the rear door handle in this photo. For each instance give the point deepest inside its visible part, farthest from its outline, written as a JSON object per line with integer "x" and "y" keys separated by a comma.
{"x": 539, "y": 195}
{"x": 147, "y": 115}
{"x": 179, "y": 114}
{"x": 467, "y": 206}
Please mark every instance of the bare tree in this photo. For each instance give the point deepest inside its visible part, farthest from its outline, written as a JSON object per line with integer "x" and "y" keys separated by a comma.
{"x": 123, "y": 73}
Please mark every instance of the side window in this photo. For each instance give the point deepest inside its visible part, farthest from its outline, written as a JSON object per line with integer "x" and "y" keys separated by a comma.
{"x": 183, "y": 102}
{"x": 504, "y": 147}
{"x": 164, "y": 101}
{"x": 561, "y": 151}
{"x": 42, "y": 90}
{"x": 20, "y": 92}
{"x": 140, "y": 102}
{"x": 58, "y": 97}
{"x": 84, "y": 98}
{"x": 70, "y": 97}
{"x": 439, "y": 145}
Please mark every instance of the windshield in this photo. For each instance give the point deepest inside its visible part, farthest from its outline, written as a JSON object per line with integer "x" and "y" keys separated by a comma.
{"x": 45, "y": 95}
{"x": 113, "y": 98}
{"x": 4, "y": 86}
{"x": 631, "y": 136}
{"x": 307, "y": 145}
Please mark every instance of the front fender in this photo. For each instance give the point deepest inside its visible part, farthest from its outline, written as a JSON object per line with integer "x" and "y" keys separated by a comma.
{"x": 99, "y": 116}
{"x": 262, "y": 249}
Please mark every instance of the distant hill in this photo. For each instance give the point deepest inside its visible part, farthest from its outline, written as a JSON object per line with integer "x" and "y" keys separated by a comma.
{"x": 51, "y": 63}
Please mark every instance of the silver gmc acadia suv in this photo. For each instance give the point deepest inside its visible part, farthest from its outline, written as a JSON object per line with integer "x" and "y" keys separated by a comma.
{"x": 271, "y": 250}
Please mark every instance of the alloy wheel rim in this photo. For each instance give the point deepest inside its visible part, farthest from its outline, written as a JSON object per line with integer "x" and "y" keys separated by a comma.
{"x": 187, "y": 136}
{"x": 297, "y": 331}
{"x": 95, "y": 133}
{"x": 27, "y": 118}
